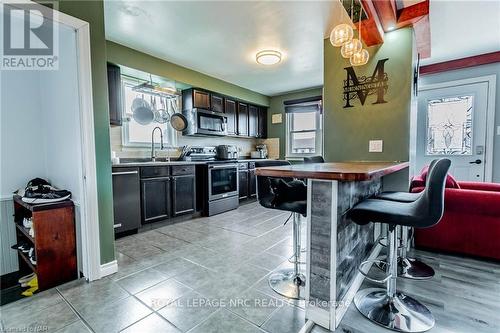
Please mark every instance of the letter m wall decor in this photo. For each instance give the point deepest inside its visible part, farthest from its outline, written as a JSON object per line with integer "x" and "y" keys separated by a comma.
{"x": 361, "y": 87}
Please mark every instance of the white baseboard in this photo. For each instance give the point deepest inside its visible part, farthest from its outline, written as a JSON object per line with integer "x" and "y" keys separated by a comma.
{"x": 109, "y": 268}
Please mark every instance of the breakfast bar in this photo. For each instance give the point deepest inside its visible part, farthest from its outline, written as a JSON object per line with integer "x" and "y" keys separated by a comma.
{"x": 335, "y": 245}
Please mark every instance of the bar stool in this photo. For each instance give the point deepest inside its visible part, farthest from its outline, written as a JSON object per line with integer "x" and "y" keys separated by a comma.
{"x": 389, "y": 307}
{"x": 409, "y": 268}
{"x": 289, "y": 282}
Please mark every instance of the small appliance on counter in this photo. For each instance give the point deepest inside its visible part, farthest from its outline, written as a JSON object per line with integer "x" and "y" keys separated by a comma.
{"x": 227, "y": 152}
{"x": 261, "y": 152}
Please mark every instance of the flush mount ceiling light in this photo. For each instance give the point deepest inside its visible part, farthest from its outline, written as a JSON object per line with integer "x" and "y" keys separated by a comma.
{"x": 268, "y": 57}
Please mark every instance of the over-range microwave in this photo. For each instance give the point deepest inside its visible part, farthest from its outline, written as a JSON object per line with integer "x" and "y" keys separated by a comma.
{"x": 205, "y": 122}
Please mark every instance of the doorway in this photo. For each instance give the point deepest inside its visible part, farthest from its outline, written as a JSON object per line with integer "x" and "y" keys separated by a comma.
{"x": 455, "y": 120}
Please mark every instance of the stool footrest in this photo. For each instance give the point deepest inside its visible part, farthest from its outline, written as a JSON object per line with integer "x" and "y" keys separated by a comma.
{"x": 369, "y": 262}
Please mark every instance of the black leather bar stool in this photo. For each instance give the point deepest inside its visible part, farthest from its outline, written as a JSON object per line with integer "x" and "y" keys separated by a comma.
{"x": 409, "y": 268}
{"x": 314, "y": 159}
{"x": 389, "y": 307}
{"x": 289, "y": 195}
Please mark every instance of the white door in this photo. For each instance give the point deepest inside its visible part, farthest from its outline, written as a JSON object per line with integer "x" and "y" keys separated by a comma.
{"x": 451, "y": 123}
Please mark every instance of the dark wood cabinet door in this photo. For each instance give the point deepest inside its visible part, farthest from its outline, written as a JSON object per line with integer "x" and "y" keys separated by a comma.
{"x": 155, "y": 199}
{"x": 253, "y": 115}
{"x": 201, "y": 99}
{"x": 262, "y": 126}
{"x": 252, "y": 185}
{"x": 216, "y": 103}
{"x": 243, "y": 183}
{"x": 115, "y": 98}
{"x": 242, "y": 119}
{"x": 126, "y": 199}
{"x": 183, "y": 195}
{"x": 230, "y": 110}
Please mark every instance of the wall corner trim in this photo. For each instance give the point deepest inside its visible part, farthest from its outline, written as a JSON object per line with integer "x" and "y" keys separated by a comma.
{"x": 109, "y": 268}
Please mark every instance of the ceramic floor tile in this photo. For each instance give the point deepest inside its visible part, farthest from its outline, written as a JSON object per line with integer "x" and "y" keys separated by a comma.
{"x": 151, "y": 324}
{"x": 285, "y": 320}
{"x": 139, "y": 281}
{"x": 225, "y": 321}
{"x": 196, "y": 276}
{"x": 35, "y": 303}
{"x": 175, "y": 267}
{"x": 116, "y": 316}
{"x": 188, "y": 311}
{"x": 49, "y": 319}
{"x": 267, "y": 260}
{"x": 254, "y": 306}
{"x": 162, "y": 294}
{"x": 76, "y": 327}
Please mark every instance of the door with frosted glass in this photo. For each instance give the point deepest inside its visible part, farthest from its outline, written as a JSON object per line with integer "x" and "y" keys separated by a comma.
{"x": 452, "y": 123}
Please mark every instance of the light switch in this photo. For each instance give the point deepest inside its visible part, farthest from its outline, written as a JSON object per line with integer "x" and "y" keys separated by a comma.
{"x": 376, "y": 146}
{"x": 498, "y": 130}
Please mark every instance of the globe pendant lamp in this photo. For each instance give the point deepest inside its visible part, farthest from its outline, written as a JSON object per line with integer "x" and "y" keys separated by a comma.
{"x": 349, "y": 48}
{"x": 341, "y": 34}
{"x": 360, "y": 58}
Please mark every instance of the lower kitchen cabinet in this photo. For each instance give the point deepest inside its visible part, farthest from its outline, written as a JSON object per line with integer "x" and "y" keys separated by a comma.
{"x": 252, "y": 185}
{"x": 243, "y": 183}
{"x": 126, "y": 199}
{"x": 155, "y": 199}
{"x": 183, "y": 195}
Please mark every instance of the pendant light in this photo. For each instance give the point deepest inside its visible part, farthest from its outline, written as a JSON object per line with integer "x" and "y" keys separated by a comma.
{"x": 342, "y": 33}
{"x": 352, "y": 46}
{"x": 362, "y": 56}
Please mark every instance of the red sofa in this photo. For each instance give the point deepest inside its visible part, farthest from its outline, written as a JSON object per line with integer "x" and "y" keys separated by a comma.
{"x": 471, "y": 220}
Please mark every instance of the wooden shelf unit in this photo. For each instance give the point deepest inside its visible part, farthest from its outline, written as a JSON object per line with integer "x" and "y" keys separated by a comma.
{"x": 54, "y": 241}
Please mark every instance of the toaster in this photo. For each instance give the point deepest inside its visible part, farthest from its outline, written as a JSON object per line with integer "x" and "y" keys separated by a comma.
{"x": 227, "y": 152}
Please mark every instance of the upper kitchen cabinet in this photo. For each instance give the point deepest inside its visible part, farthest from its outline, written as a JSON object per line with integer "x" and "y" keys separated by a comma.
{"x": 115, "y": 98}
{"x": 195, "y": 98}
{"x": 242, "y": 119}
{"x": 216, "y": 103}
{"x": 262, "y": 123}
{"x": 230, "y": 110}
{"x": 253, "y": 115}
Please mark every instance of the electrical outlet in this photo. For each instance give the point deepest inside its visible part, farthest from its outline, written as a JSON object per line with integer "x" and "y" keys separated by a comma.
{"x": 376, "y": 146}
{"x": 498, "y": 130}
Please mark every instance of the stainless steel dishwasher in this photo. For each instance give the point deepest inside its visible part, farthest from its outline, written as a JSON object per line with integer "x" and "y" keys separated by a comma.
{"x": 126, "y": 199}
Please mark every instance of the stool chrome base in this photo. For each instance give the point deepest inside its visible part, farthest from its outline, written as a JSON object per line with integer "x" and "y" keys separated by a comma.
{"x": 410, "y": 268}
{"x": 399, "y": 313}
{"x": 287, "y": 283}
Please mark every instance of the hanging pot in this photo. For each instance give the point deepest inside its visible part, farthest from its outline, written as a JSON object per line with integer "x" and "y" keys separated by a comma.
{"x": 178, "y": 122}
{"x": 142, "y": 113}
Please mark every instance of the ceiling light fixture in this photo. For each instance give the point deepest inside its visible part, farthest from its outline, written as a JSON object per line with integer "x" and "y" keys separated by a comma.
{"x": 268, "y": 57}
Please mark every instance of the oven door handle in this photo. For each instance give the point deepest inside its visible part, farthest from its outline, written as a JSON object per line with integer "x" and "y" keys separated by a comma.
{"x": 223, "y": 166}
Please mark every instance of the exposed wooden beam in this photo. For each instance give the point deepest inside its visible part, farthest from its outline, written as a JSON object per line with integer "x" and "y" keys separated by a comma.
{"x": 483, "y": 59}
{"x": 372, "y": 31}
{"x": 387, "y": 13}
{"x": 422, "y": 30}
{"x": 409, "y": 15}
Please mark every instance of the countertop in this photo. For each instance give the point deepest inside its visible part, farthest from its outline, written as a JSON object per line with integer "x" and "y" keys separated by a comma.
{"x": 132, "y": 164}
{"x": 344, "y": 171}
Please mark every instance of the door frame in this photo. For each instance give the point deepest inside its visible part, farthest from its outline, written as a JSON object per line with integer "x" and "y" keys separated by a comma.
{"x": 91, "y": 256}
{"x": 490, "y": 124}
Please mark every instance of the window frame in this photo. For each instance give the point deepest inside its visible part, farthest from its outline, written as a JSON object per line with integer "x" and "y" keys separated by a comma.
{"x": 318, "y": 142}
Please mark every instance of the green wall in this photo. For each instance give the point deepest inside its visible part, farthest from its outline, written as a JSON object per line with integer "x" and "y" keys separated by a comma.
{"x": 93, "y": 13}
{"x": 276, "y": 106}
{"x": 348, "y": 130}
{"x": 122, "y": 55}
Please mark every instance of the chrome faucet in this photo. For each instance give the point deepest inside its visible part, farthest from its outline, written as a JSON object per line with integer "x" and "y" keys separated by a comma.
{"x": 153, "y": 150}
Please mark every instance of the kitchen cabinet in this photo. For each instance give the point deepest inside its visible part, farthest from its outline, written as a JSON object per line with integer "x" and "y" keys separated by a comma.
{"x": 252, "y": 183}
{"x": 242, "y": 119}
{"x": 201, "y": 99}
{"x": 230, "y": 111}
{"x": 243, "y": 184}
{"x": 253, "y": 115}
{"x": 262, "y": 123}
{"x": 126, "y": 199}
{"x": 183, "y": 195}
{"x": 216, "y": 103}
{"x": 155, "y": 199}
{"x": 115, "y": 98}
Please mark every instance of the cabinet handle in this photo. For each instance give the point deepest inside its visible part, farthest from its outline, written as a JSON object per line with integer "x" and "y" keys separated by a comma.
{"x": 124, "y": 173}
{"x": 118, "y": 225}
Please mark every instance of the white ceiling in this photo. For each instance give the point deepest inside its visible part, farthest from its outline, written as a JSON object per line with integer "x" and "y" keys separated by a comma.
{"x": 463, "y": 28}
{"x": 220, "y": 38}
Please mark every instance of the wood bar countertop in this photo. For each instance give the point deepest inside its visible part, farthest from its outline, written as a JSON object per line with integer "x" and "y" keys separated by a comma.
{"x": 343, "y": 171}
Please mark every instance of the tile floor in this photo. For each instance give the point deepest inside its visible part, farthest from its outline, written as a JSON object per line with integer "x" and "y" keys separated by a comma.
{"x": 210, "y": 275}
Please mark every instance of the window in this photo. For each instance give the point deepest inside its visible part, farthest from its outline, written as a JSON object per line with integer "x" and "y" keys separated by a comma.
{"x": 449, "y": 126}
{"x": 304, "y": 129}
{"x": 137, "y": 135}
